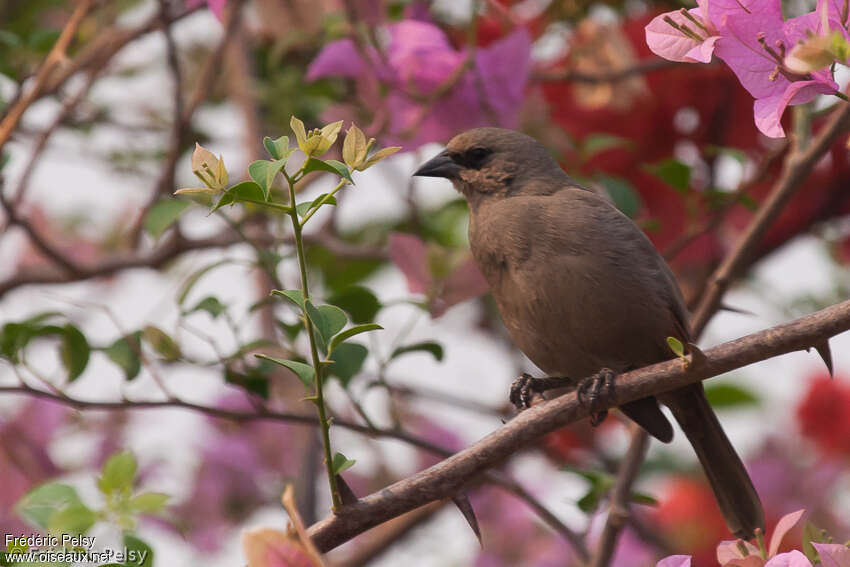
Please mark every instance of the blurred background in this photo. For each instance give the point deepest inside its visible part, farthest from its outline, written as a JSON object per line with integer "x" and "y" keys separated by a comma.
{"x": 150, "y": 298}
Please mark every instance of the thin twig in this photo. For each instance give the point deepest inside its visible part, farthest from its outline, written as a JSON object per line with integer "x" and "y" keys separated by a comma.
{"x": 55, "y": 57}
{"x": 618, "y": 509}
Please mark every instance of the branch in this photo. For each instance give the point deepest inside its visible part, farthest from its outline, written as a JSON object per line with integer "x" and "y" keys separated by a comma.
{"x": 444, "y": 479}
{"x": 618, "y": 510}
{"x": 798, "y": 165}
{"x": 55, "y": 57}
{"x": 262, "y": 414}
{"x": 170, "y": 250}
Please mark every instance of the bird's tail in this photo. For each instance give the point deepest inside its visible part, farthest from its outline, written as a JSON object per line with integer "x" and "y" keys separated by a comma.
{"x": 733, "y": 489}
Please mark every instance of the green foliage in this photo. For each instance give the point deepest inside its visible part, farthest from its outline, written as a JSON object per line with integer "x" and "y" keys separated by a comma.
{"x": 676, "y": 346}
{"x": 725, "y": 395}
{"x": 38, "y": 505}
{"x": 137, "y": 549}
{"x": 304, "y": 372}
{"x": 600, "y": 485}
{"x": 125, "y": 353}
{"x": 673, "y": 172}
{"x": 328, "y": 320}
{"x": 622, "y": 193}
{"x": 245, "y": 192}
{"x": 254, "y": 379}
{"x": 279, "y": 148}
{"x": 434, "y": 349}
{"x": 163, "y": 214}
{"x": 348, "y": 333}
{"x": 294, "y": 296}
{"x": 161, "y": 342}
{"x": 341, "y": 463}
{"x": 330, "y": 165}
{"x": 263, "y": 173}
{"x": 118, "y": 474}
{"x": 74, "y": 348}
{"x": 324, "y": 199}
{"x": 359, "y": 302}
{"x": 347, "y": 360}
{"x": 195, "y": 277}
{"x": 211, "y": 305}
{"x": 595, "y": 144}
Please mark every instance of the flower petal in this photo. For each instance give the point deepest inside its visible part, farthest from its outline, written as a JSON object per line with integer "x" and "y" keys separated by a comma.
{"x": 666, "y": 41}
{"x": 783, "y": 526}
{"x": 791, "y": 559}
{"x": 833, "y": 554}
{"x": 768, "y": 111}
{"x": 408, "y": 253}
{"x": 675, "y": 561}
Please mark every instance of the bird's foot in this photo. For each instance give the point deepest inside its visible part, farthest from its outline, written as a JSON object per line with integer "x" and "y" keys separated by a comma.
{"x": 595, "y": 393}
{"x": 527, "y": 389}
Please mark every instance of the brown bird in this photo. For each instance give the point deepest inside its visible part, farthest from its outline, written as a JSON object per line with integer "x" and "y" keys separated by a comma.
{"x": 583, "y": 293}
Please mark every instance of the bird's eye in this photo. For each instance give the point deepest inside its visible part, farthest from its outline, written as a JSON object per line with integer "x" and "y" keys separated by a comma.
{"x": 476, "y": 156}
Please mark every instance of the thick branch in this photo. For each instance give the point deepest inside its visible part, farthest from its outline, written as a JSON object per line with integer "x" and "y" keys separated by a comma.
{"x": 444, "y": 479}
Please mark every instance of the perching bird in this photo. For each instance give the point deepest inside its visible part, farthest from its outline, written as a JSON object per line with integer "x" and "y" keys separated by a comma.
{"x": 583, "y": 292}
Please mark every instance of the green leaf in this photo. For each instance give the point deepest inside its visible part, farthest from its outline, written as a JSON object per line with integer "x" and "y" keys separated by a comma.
{"x": 74, "y": 352}
{"x": 725, "y": 395}
{"x": 163, "y": 214}
{"x": 813, "y": 534}
{"x": 211, "y": 305}
{"x": 126, "y": 355}
{"x": 245, "y": 192}
{"x": 676, "y": 346}
{"x": 340, "y": 463}
{"x": 673, "y": 172}
{"x": 348, "y": 333}
{"x": 291, "y": 331}
{"x": 347, "y": 360}
{"x": 195, "y": 277}
{"x": 75, "y": 519}
{"x": 304, "y": 372}
{"x": 118, "y": 473}
{"x": 279, "y": 148}
{"x": 327, "y": 319}
{"x": 360, "y": 303}
{"x": 294, "y": 296}
{"x": 148, "y": 502}
{"x": 645, "y": 499}
{"x": 622, "y": 193}
{"x": 39, "y": 504}
{"x": 427, "y": 346}
{"x": 163, "y": 344}
{"x": 139, "y": 554}
{"x": 329, "y": 165}
{"x": 263, "y": 173}
{"x": 254, "y": 379}
{"x": 307, "y": 206}
{"x": 598, "y": 143}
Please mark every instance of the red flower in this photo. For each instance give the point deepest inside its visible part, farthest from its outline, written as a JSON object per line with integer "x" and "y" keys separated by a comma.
{"x": 689, "y": 518}
{"x": 824, "y": 414}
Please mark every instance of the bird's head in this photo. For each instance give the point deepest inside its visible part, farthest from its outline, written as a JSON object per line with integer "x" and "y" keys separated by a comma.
{"x": 491, "y": 162}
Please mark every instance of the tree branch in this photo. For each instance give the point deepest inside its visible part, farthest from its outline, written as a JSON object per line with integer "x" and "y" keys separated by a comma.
{"x": 444, "y": 479}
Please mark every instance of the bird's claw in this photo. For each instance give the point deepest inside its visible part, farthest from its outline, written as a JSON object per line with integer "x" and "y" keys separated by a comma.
{"x": 595, "y": 393}
{"x": 523, "y": 390}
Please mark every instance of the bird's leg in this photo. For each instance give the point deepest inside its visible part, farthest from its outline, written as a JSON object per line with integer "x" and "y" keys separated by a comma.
{"x": 525, "y": 388}
{"x": 595, "y": 393}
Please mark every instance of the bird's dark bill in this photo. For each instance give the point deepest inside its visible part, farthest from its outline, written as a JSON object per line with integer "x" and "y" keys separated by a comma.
{"x": 441, "y": 165}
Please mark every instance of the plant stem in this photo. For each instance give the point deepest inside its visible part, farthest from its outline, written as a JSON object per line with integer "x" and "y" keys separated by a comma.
{"x": 324, "y": 423}
{"x": 342, "y": 183}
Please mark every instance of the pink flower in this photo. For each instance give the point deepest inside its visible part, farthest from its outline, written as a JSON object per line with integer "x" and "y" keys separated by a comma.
{"x": 752, "y": 38}
{"x": 683, "y": 35}
{"x": 416, "y": 63}
{"x": 833, "y": 554}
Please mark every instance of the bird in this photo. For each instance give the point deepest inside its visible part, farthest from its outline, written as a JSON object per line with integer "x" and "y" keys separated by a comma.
{"x": 584, "y": 294}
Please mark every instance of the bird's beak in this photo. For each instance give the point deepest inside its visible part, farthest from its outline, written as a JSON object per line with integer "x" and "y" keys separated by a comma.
{"x": 441, "y": 165}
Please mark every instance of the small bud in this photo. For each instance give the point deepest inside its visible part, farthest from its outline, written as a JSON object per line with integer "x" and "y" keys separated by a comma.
{"x": 209, "y": 169}
{"x": 316, "y": 142}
